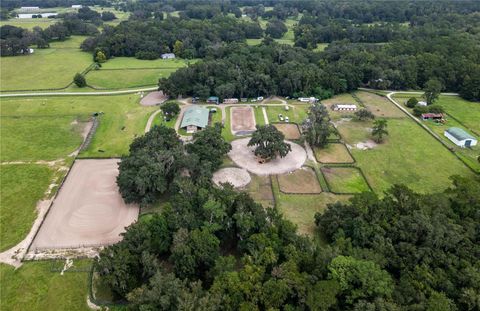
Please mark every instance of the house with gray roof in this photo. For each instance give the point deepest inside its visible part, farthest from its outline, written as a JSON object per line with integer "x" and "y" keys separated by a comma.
{"x": 195, "y": 118}
{"x": 460, "y": 138}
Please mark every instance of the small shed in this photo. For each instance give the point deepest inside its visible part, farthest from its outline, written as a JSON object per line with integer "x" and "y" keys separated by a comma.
{"x": 422, "y": 103}
{"x": 344, "y": 107}
{"x": 195, "y": 118}
{"x": 168, "y": 56}
{"x": 460, "y": 138}
{"x": 432, "y": 116}
{"x": 308, "y": 99}
{"x": 213, "y": 100}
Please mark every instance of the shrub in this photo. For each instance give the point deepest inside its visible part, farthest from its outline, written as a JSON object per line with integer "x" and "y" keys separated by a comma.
{"x": 412, "y": 102}
{"x": 79, "y": 80}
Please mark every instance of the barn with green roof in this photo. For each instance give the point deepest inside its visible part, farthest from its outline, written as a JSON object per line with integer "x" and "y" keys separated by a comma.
{"x": 194, "y": 119}
{"x": 460, "y": 138}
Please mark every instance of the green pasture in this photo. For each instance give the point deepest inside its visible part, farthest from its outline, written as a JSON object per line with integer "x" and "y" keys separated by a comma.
{"x": 45, "y": 68}
{"x": 215, "y": 117}
{"x": 21, "y": 185}
{"x": 227, "y": 130}
{"x": 467, "y": 112}
{"x": 345, "y": 179}
{"x": 135, "y": 63}
{"x": 259, "y": 117}
{"x": 254, "y": 41}
{"x": 46, "y": 128}
{"x": 409, "y": 156}
{"x": 34, "y": 286}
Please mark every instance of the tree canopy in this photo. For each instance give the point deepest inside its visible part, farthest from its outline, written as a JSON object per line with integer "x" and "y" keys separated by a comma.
{"x": 269, "y": 142}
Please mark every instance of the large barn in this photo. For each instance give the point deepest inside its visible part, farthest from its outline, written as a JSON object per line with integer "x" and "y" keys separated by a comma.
{"x": 460, "y": 138}
{"x": 195, "y": 118}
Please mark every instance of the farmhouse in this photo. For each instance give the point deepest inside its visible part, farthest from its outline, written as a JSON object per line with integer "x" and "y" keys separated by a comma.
{"x": 344, "y": 107}
{"x": 230, "y": 100}
{"x": 460, "y": 138}
{"x": 168, "y": 56}
{"x": 194, "y": 119}
{"x": 432, "y": 116}
{"x": 213, "y": 100}
{"x": 422, "y": 103}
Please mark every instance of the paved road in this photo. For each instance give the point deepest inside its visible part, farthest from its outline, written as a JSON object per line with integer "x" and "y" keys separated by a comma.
{"x": 79, "y": 93}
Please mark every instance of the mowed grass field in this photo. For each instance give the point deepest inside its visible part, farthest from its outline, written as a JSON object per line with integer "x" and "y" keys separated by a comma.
{"x": 126, "y": 72}
{"x": 44, "y": 128}
{"x": 21, "y": 186}
{"x": 30, "y": 23}
{"x": 34, "y": 286}
{"x": 45, "y": 68}
{"x": 296, "y": 114}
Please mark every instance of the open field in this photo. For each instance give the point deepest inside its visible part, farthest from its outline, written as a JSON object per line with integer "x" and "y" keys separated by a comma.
{"x": 21, "y": 186}
{"x": 127, "y": 72}
{"x": 303, "y": 180}
{"x": 215, "y": 117}
{"x": 44, "y": 128}
{"x": 333, "y": 153}
{"x": 380, "y": 106}
{"x": 290, "y": 130}
{"x": 465, "y": 111}
{"x": 34, "y": 286}
{"x": 345, "y": 179}
{"x": 296, "y": 113}
{"x": 408, "y": 156}
{"x": 88, "y": 209}
{"x": 227, "y": 131}
{"x": 259, "y": 118}
{"x": 29, "y": 23}
{"x": 45, "y": 68}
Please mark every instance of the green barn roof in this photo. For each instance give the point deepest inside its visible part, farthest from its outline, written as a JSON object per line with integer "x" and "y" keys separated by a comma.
{"x": 195, "y": 115}
{"x": 459, "y": 134}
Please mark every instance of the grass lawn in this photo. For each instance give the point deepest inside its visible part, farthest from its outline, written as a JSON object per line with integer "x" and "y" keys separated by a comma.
{"x": 380, "y": 106}
{"x": 45, "y": 68}
{"x": 261, "y": 190}
{"x": 34, "y": 286}
{"x": 22, "y": 185}
{"x": 227, "y": 130}
{"x": 303, "y": 180}
{"x": 159, "y": 120}
{"x": 333, "y": 153}
{"x": 468, "y": 113}
{"x": 296, "y": 114}
{"x": 215, "y": 117}
{"x": 345, "y": 179}
{"x": 290, "y": 130}
{"x": 134, "y": 63}
{"x": 259, "y": 117}
{"x": 49, "y": 122}
{"x": 254, "y": 41}
{"x": 320, "y": 47}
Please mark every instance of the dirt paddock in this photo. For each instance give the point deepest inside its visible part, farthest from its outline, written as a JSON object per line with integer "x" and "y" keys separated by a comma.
{"x": 244, "y": 157}
{"x": 290, "y": 130}
{"x": 153, "y": 98}
{"x": 238, "y": 177}
{"x": 88, "y": 210}
{"x": 242, "y": 120}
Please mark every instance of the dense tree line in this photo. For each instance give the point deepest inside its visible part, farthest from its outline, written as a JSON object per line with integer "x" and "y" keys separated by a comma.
{"x": 153, "y": 37}
{"x": 216, "y": 249}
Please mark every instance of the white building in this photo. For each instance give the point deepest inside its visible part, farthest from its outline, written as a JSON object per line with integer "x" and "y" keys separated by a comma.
{"x": 460, "y": 138}
{"x": 230, "y": 100}
{"x": 76, "y": 6}
{"x": 168, "y": 56}
{"x": 344, "y": 107}
{"x": 29, "y": 8}
{"x": 422, "y": 103}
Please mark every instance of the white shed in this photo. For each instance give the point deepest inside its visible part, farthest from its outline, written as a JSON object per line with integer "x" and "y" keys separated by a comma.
{"x": 422, "y": 103}
{"x": 460, "y": 138}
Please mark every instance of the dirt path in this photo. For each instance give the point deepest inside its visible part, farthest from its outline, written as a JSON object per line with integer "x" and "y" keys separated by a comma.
{"x": 150, "y": 120}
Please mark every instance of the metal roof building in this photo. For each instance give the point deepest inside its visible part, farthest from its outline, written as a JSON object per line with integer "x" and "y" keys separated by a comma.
{"x": 195, "y": 118}
{"x": 459, "y": 137}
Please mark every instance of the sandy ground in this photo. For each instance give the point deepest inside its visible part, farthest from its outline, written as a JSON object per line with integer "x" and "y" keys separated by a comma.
{"x": 290, "y": 130}
{"x": 364, "y": 145}
{"x": 244, "y": 157}
{"x": 88, "y": 210}
{"x": 242, "y": 120}
{"x": 238, "y": 177}
{"x": 153, "y": 98}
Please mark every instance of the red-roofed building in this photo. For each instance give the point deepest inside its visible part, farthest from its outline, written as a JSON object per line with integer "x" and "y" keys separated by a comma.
{"x": 432, "y": 116}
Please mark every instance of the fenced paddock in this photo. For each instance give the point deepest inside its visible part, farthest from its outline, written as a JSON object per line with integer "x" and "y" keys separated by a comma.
{"x": 243, "y": 120}
{"x": 88, "y": 209}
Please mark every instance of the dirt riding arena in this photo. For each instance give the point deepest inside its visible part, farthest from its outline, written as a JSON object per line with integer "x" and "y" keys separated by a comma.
{"x": 88, "y": 210}
{"x": 244, "y": 157}
{"x": 153, "y": 98}
{"x": 290, "y": 130}
{"x": 238, "y": 177}
{"x": 242, "y": 120}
